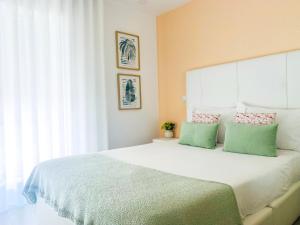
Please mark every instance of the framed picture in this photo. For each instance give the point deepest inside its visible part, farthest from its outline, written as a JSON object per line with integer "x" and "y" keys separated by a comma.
{"x": 129, "y": 91}
{"x": 128, "y": 51}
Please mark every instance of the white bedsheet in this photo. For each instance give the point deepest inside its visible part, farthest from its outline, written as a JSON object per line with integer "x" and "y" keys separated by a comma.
{"x": 256, "y": 180}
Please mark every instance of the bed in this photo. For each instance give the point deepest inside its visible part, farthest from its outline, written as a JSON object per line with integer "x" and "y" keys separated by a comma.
{"x": 251, "y": 177}
{"x": 256, "y": 181}
{"x": 260, "y": 190}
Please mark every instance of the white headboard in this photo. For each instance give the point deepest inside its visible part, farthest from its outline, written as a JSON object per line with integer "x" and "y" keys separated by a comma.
{"x": 271, "y": 81}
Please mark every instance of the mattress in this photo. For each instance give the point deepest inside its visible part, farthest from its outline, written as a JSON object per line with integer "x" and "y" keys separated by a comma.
{"x": 256, "y": 180}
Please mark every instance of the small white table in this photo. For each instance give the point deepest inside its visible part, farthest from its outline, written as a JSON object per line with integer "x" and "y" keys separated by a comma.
{"x": 160, "y": 140}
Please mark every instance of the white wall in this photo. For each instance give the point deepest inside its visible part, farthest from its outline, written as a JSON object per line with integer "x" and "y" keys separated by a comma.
{"x": 133, "y": 127}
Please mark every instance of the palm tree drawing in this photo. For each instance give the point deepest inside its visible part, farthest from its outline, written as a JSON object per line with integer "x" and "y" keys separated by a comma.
{"x": 128, "y": 51}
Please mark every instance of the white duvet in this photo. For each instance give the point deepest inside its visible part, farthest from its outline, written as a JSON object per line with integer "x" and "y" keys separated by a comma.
{"x": 256, "y": 180}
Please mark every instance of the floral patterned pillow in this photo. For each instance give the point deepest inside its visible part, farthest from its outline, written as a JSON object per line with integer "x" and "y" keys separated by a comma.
{"x": 205, "y": 117}
{"x": 255, "y": 118}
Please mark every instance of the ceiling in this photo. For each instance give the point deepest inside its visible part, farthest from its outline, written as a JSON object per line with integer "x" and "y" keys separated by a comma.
{"x": 154, "y": 6}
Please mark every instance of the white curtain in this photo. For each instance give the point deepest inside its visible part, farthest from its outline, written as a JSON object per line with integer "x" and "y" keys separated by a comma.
{"x": 51, "y": 86}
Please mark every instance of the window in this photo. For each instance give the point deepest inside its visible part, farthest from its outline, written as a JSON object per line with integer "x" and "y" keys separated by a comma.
{"x": 51, "y": 86}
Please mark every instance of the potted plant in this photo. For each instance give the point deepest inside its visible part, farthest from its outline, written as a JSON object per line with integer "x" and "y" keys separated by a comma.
{"x": 168, "y": 128}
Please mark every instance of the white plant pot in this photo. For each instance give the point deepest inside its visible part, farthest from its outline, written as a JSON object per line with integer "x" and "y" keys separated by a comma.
{"x": 169, "y": 134}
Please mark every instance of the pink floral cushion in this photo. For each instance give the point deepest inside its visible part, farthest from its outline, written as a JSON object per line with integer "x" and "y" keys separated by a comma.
{"x": 255, "y": 118}
{"x": 205, "y": 117}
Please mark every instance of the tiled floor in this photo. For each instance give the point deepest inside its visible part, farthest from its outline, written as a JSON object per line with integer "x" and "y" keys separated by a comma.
{"x": 28, "y": 216}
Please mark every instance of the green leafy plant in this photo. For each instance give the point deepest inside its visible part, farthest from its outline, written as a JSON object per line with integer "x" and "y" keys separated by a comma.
{"x": 168, "y": 126}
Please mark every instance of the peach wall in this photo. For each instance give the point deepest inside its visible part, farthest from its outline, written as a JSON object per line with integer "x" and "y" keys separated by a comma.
{"x": 206, "y": 32}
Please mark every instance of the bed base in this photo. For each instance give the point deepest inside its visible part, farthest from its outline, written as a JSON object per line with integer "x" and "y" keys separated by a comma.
{"x": 283, "y": 211}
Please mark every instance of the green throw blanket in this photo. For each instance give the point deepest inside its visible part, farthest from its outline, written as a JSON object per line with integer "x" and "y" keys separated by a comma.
{"x": 98, "y": 190}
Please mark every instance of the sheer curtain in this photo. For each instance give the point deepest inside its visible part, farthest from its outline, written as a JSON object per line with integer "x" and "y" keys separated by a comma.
{"x": 51, "y": 86}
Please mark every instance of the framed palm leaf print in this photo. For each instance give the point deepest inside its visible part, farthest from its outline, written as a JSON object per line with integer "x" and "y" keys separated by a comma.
{"x": 129, "y": 91}
{"x": 128, "y": 51}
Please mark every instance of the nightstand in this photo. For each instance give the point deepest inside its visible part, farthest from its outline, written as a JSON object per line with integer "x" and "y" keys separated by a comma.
{"x": 161, "y": 140}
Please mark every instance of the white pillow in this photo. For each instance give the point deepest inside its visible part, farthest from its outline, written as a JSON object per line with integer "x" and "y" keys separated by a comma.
{"x": 226, "y": 116}
{"x": 288, "y": 136}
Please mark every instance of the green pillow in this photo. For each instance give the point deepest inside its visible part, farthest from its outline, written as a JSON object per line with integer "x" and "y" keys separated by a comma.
{"x": 251, "y": 139}
{"x": 199, "y": 134}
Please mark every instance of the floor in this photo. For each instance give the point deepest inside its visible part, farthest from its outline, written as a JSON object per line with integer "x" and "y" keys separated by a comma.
{"x": 27, "y": 216}
{"x": 31, "y": 215}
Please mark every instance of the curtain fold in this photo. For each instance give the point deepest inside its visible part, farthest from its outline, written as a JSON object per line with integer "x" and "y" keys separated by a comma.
{"x": 51, "y": 86}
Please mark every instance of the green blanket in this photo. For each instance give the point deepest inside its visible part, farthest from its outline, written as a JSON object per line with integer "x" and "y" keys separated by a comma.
{"x": 98, "y": 190}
